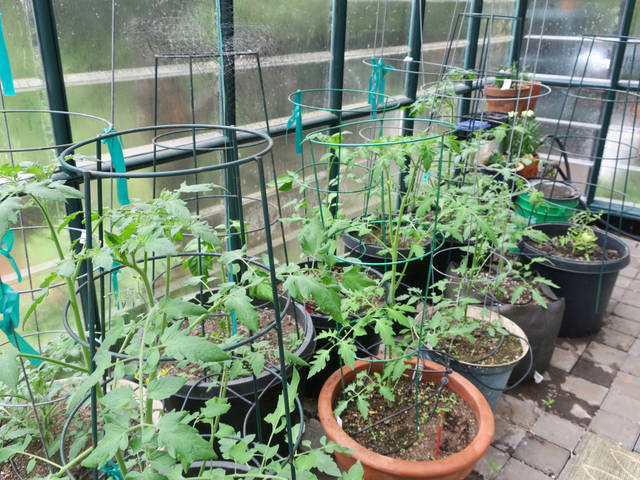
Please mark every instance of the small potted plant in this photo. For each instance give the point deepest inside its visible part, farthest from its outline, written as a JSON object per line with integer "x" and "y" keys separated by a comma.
{"x": 512, "y": 90}
{"x": 584, "y": 262}
{"x": 518, "y": 141}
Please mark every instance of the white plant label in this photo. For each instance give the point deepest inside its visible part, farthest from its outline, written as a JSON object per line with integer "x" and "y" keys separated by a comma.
{"x": 506, "y": 84}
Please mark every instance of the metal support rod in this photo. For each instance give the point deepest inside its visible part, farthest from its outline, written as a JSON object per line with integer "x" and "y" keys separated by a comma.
{"x": 518, "y": 32}
{"x": 227, "y": 101}
{"x": 411, "y": 75}
{"x": 336, "y": 84}
{"x": 54, "y": 81}
{"x": 607, "y": 111}
{"x": 473, "y": 32}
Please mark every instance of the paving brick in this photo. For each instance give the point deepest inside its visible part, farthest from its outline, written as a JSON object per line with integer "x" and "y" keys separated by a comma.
{"x": 628, "y": 296}
{"x": 521, "y": 412}
{"x": 623, "y": 282}
{"x": 606, "y": 355}
{"x": 594, "y": 372}
{"x": 623, "y": 325}
{"x": 631, "y": 365}
{"x": 626, "y": 384}
{"x": 615, "y": 339}
{"x": 588, "y": 391}
{"x": 564, "y": 359}
{"x": 635, "y": 348}
{"x": 629, "y": 272}
{"x": 558, "y": 430}
{"x": 313, "y": 432}
{"x": 490, "y": 465}
{"x": 515, "y": 469}
{"x": 622, "y": 405}
{"x": 575, "y": 345}
{"x": 507, "y": 435}
{"x": 542, "y": 455}
{"x": 616, "y": 428}
{"x": 627, "y": 311}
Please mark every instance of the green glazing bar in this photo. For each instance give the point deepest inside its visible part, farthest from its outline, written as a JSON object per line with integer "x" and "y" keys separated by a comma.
{"x": 56, "y": 94}
{"x": 336, "y": 84}
{"x": 473, "y": 31}
{"x": 607, "y": 111}
{"x": 518, "y": 31}
{"x": 412, "y": 73}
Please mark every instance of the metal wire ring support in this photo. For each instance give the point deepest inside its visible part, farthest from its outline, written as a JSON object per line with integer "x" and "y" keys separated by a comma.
{"x": 98, "y": 173}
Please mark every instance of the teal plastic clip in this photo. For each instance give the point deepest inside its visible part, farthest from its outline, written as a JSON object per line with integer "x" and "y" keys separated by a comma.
{"x": 377, "y": 82}
{"x": 10, "y": 310}
{"x": 296, "y": 118}
{"x": 112, "y": 470}
{"x": 6, "y": 77}
{"x": 114, "y": 144}
{"x": 6, "y": 244}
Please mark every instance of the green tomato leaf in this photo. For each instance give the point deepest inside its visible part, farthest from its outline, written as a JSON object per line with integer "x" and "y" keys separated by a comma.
{"x": 164, "y": 387}
{"x": 10, "y": 371}
{"x": 9, "y": 209}
{"x": 239, "y": 304}
{"x": 194, "y": 349}
{"x": 115, "y": 437}
{"x": 181, "y": 441}
{"x": 214, "y": 407}
{"x": 356, "y": 472}
{"x": 355, "y": 279}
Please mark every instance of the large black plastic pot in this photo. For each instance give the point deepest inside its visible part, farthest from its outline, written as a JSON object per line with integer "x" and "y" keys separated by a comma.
{"x": 540, "y": 325}
{"x": 491, "y": 380}
{"x": 585, "y": 286}
{"x": 241, "y": 392}
{"x": 366, "y": 344}
{"x": 417, "y": 270}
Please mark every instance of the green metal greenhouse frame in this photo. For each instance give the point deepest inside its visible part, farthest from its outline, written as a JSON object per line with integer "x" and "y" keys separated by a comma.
{"x": 53, "y": 74}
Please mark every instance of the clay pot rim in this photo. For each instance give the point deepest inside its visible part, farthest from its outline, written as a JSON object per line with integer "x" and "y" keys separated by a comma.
{"x": 465, "y": 458}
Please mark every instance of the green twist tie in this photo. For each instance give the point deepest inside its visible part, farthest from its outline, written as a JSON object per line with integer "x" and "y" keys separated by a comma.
{"x": 296, "y": 118}
{"x": 114, "y": 144}
{"x": 5, "y": 66}
{"x": 377, "y": 82}
{"x": 10, "y": 309}
{"x": 112, "y": 470}
{"x": 6, "y": 244}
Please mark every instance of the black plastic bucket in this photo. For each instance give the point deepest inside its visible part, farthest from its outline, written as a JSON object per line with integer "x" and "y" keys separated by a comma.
{"x": 585, "y": 286}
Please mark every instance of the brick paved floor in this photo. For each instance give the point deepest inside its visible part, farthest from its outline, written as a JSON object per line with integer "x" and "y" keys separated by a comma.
{"x": 593, "y": 385}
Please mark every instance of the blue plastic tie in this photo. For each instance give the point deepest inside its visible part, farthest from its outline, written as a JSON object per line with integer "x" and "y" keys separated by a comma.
{"x": 425, "y": 177}
{"x": 296, "y": 118}
{"x": 114, "y": 282}
{"x": 6, "y": 244}
{"x": 5, "y": 66}
{"x": 114, "y": 144}
{"x": 377, "y": 82}
{"x": 112, "y": 470}
{"x": 10, "y": 309}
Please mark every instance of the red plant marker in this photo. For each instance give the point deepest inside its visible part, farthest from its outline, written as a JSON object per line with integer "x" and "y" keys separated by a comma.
{"x": 438, "y": 441}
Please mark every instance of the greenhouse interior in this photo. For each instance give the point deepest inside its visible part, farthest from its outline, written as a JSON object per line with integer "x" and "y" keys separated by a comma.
{"x": 316, "y": 239}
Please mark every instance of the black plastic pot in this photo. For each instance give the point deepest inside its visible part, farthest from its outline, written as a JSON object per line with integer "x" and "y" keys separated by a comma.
{"x": 244, "y": 392}
{"x": 366, "y": 344}
{"x": 417, "y": 270}
{"x": 585, "y": 286}
{"x": 228, "y": 467}
{"x": 541, "y": 325}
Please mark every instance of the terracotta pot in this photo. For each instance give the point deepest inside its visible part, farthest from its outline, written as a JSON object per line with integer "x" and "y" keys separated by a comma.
{"x": 530, "y": 170}
{"x": 380, "y": 467}
{"x": 522, "y": 97}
